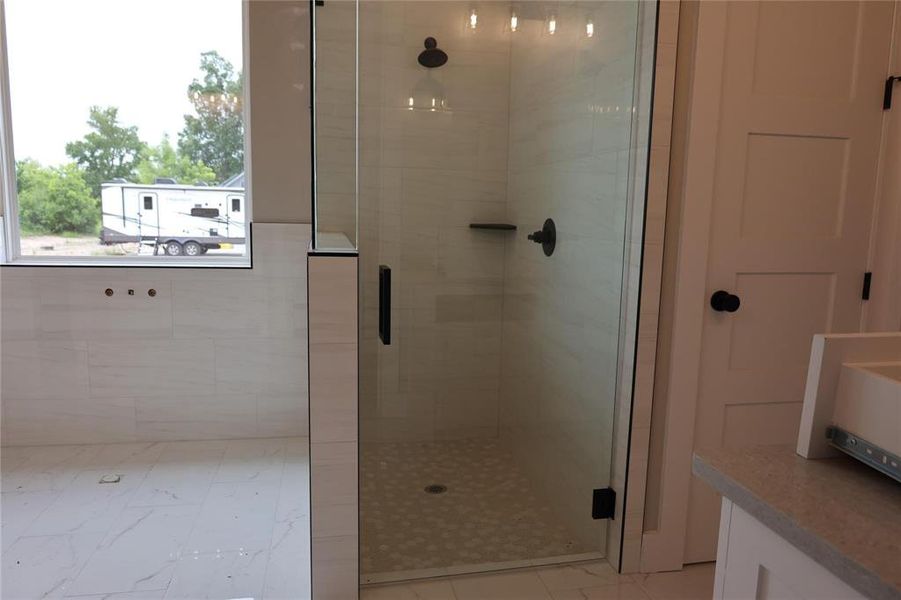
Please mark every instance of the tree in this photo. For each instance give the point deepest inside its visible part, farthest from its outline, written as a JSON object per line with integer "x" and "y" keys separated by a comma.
{"x": 55, "y": 199}
{"x": 165, "y": 161}
{"x": 214, "y": 136}
{"x": 109, "y": 151}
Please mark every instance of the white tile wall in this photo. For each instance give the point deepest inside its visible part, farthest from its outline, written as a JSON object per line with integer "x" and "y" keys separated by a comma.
{"x": 215, "y": 354}
{"x": 334, "y": 470}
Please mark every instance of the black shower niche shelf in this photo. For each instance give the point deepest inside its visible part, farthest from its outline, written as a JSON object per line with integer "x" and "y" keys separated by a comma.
{"x": 494, "y": 226}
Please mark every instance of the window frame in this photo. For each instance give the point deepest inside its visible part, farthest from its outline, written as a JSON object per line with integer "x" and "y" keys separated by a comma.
{"x": 10, "y": 239}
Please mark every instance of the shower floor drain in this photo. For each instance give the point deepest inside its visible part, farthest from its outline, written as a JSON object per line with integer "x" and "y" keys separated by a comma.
{"x": 435, "y": 488}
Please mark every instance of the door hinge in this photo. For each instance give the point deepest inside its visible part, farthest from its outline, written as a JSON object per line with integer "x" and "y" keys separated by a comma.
{"x": 889, "y": 87}
{"x": 603, "y": 503}
{"x": 867, "y": 281}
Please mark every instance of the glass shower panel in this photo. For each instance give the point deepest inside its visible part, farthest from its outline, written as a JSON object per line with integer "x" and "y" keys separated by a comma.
{"x": 335, "y": 126}
{"x": 487, "y": 421}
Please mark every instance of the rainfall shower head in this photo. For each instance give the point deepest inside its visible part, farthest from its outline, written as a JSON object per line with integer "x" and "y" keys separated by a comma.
{"x": 432, "y": 57}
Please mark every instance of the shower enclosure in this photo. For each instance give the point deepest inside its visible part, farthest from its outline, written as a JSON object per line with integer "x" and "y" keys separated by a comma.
{"x": 488, "y": 161}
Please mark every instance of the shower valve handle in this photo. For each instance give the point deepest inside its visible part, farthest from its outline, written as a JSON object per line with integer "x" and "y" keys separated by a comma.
{"x": 546, "y": 236}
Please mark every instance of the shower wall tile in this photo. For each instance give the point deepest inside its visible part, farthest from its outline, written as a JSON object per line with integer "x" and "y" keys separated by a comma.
{"x": 335, "y": 389}
{"x": 45, "y": 370}
{"x": 260, "y": 366}
{"x": 70, "y": 310}
{"x": 215, "y": 354}
{"x": 208, "y": 308}
{"x": 335, "y": 568}
{"x": 156, "y": 368}
{"x": 281, "y": 415}
{"x": 18, "y": 320}
{"x": 67, "y": 420}
{"x": 334, "y": 299}
{"x": 195, "y": 417}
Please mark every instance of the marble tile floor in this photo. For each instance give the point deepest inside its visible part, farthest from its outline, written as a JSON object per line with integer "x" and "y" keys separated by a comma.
{"x": 489, "y": 517}
{"x": 186, "y": 520}
{"x": 594, "y": 580}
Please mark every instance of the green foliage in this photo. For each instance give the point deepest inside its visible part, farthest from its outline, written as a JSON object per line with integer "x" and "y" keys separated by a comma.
{"x": 110, "y": 150}
{"x": 215, "y": 135}
{"x": 55, "y": 199}
{"x": 165, "y": 161}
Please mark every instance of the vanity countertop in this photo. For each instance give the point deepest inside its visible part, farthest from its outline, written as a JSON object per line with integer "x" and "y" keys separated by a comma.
{"x": 844, "y": 515}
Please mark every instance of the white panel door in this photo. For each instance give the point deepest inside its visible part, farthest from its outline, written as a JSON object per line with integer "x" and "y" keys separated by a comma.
{"x": 793, "y": 191}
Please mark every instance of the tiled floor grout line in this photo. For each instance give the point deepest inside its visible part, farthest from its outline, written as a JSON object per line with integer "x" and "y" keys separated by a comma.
{"x": 281, "y": 486}
{"x": 209, "y": 487}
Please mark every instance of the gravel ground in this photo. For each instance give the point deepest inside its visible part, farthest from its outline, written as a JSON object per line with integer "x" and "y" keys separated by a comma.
{"x": 56, "y": 245}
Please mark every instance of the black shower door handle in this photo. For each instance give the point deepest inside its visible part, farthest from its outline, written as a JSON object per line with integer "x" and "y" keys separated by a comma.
{"x": 385, "y": 304}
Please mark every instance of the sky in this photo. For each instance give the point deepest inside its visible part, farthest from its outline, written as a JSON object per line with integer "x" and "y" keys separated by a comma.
{"x": 139, "y": 55}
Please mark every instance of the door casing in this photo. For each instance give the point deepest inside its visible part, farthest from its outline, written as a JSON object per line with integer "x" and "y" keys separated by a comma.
{"x": 663, "y": 548}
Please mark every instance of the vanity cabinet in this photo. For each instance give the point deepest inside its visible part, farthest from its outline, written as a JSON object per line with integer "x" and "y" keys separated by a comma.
{"x": 754, "y": 562}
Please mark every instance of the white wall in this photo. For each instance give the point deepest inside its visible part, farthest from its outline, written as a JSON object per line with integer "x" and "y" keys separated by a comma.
{"x": 217, "y": 353}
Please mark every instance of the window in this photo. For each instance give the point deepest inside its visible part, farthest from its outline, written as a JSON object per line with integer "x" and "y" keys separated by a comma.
{"x": 106, "y": 155}
{"x": 208, "y": 213}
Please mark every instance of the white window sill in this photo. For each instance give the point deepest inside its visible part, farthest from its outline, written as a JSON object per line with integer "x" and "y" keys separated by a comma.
{"x": 159, "y": 262}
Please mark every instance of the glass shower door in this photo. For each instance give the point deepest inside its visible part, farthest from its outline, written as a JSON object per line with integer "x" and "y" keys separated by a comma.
{"x": 486, "y": 424}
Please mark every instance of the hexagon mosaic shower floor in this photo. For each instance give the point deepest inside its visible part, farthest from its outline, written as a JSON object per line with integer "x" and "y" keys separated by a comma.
{"x": 490, "y": 513}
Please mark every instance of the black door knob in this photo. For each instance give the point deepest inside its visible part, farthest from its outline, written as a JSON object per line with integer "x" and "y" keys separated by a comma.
{"x": 723, "y": 301}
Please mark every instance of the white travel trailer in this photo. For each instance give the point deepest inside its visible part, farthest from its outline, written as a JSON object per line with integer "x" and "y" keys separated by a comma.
{"x": 177, "y": 219}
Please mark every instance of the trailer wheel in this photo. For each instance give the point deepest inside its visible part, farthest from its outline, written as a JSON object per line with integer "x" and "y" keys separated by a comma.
{"x": 173, "y": 248}
{"x": 193, "y": 249}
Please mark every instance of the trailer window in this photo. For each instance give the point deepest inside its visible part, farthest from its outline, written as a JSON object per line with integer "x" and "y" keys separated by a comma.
{"x": 111, "y": 176}
{"x": 205, "y": 212}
